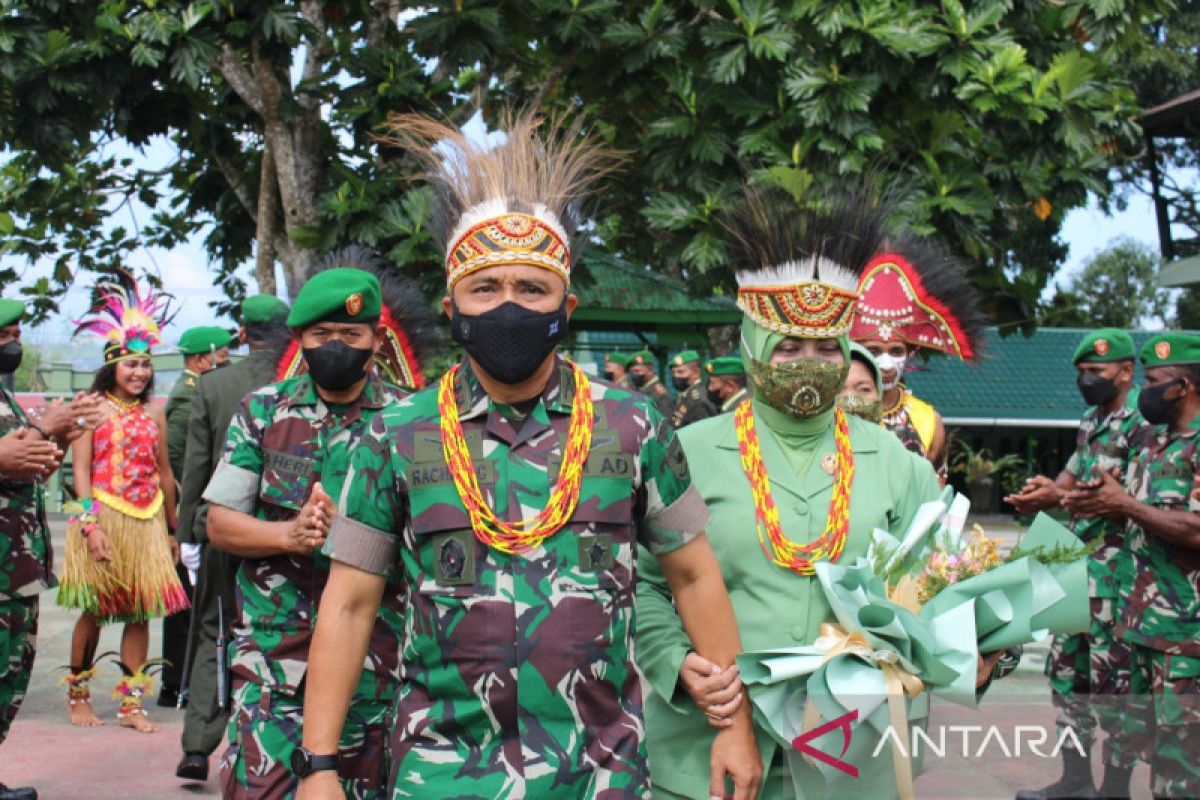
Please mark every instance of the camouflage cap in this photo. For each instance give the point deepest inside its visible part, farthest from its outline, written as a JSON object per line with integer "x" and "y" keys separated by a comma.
{"x": 725, "y": 365}
{"x": 342, "y": 294}
{"x": 642, "y": 358}
{"x": 685, "y": 357}
{"x": 620, "y": 359}
{"x": 11, "y": 311}
{"x": 260, "y": 309}
{"x": 204, "y": 339}
{"x": 1171, "y": 349}
{"x": 1104, "y": 345}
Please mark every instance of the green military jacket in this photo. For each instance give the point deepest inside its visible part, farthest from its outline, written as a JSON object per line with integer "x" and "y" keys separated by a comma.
{"x": 774, "y": 606}
{"x": 179, "y": 409}
{"x": 1160, "y": 582}
{"x": 1102, "y": 445}
{"x": 658, "y": 393}
{"x": 519, "y": 678}
{"x": 25, "y": 551}
{"x": 283, "y": 440}
{"x": 694, "y": 405}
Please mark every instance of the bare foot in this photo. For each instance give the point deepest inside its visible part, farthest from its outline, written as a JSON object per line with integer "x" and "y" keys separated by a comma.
{"x": 82, "y": 715}
{"x": 138, "y": 720}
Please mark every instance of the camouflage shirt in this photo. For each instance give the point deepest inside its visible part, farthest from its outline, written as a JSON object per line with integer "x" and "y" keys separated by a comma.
{"x": 25, "y": 553}
{"x": 283, "y": 439}
{"x": 518, "y": 671}
{"x": 1160, "y": 583}
{"x": 1105, "y": 444}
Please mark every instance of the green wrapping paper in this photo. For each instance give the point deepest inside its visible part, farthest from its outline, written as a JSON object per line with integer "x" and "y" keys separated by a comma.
{"x": 1014, "y": 603}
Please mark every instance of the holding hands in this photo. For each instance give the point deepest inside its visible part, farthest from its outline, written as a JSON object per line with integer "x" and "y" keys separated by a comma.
{"x": 25, "y": 454}
{"x": 311, "y": 525}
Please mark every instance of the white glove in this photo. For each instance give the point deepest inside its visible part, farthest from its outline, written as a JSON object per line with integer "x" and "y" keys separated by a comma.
{"x": 189, "y": 556}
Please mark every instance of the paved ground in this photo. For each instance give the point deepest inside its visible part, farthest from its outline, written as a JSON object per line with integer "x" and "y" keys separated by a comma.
{"x": 113, "y": 763}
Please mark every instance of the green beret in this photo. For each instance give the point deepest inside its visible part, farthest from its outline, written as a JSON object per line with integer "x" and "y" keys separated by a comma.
{"x": 685, "y": 357}
{"x": 725, "y": 365}
{"x": 342, "y": 294}
{"x": 1104, "y": 345}
{"x": 11, "y": 311}
{"x": 620, "y": 359}
{"x": 1171, "y": 349}
{"x": 196, "y": 341}
{"x": 260, "y": 309}
{"x": 642, "y": 358}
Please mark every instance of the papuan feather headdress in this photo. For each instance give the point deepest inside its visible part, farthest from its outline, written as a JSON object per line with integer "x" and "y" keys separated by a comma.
{"x": 127, "y": 317}
{"x": 797, "y": 268}
{"x": 916, "y": 292}
{"x": 411, "y": 336}
{"x": 518, "y": 202}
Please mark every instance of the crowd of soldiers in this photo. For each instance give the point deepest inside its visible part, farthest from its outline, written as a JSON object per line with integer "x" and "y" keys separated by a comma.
{"x": 459, "y": 652}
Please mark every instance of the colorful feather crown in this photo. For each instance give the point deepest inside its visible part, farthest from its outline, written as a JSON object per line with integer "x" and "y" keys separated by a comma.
{"x": 129, "y": 319}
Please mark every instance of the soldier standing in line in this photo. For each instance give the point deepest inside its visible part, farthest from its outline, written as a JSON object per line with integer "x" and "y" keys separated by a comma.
{"x": 726, "y": 383}
{"x": 519, "y": 674}
{"x": 1094, "y": 664}
{"x": 217, "y": 397}
{"x": 694, "y": 404}
{"x": 199, "y": 349}
{"x": 30, "y": 450}
{"x": 268, "y": 503}
{"x": 1159, "y": 613}
{"x": 643, "y": 375}
{"x": 615, "y": 366}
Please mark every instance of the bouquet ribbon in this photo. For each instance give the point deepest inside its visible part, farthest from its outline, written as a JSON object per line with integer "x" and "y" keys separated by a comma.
{"x": 835, "y": 641}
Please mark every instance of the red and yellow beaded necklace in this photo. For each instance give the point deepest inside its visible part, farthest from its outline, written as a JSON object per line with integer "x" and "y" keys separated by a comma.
{"x": 778, "y": 548}
{"x": 528, "y": 534}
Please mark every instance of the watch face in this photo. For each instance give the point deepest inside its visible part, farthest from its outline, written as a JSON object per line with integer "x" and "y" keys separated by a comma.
{"x": 300, "y": 762}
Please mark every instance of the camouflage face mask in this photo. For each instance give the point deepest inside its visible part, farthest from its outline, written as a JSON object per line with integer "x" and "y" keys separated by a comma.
{"x": 802, "y": 388}
{"x": 859, "y": 406}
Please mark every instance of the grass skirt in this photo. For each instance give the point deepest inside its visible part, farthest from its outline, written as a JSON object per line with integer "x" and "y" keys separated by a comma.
{"x": 136, "y": 584}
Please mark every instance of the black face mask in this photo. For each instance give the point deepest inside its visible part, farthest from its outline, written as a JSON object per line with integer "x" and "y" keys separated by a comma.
{"x": 509, "y": 342}
{"x": 638, "y": 379}
{"x": 1155, "y": 407}
{"x": 680, "y": 383}
{"x": 1095, "y": 389}
{"x": 10, "y": 357}
{"x": 336, "y": 366}
{"x": 715, "y": 398}
{"x": 610, "y": 376}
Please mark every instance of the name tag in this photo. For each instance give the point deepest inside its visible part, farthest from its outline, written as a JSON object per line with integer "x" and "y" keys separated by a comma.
{"x": 436, "y": 473}
{"x": 286, "y": 463}
{"x": 598, "y": 465}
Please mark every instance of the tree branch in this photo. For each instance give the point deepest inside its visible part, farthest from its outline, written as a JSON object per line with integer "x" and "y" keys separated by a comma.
{"x": 380, "y": 22}
{"x": 239, "y": 79}
{"x": 237, "y": 182}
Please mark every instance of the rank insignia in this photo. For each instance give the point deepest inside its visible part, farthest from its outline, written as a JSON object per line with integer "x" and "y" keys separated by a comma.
{"x": 354, "y": 304}
{"x": 1162, "y": 350}
{"x": 1101, "y": 347}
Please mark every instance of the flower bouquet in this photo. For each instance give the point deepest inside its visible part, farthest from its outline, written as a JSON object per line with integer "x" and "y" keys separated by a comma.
{"x": 911, "y": 619}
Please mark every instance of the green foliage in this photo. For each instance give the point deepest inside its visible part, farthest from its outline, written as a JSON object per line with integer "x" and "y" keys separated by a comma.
{"x": 1117, "y": 287}
{"x": 978, "y": 465}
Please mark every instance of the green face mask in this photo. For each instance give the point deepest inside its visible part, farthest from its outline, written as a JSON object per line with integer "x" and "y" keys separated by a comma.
{"x": 802, "y": 388}
{"x": 859, "y": 406}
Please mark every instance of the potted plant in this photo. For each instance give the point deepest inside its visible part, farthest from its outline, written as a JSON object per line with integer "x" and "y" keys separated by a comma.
{"x": 980, "y": 469}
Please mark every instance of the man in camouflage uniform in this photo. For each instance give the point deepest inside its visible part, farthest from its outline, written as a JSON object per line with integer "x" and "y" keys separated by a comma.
{"x": 519, "y": 673}
{"x": 217, "y": 397}
{"x": 30, "y": 449}
{"x": 726, "y": 383}
{"x": 643, "y": 375}
{"x": 1088, "y": 671}
{"x": 615, "y": 366}
{"x": 287, "y": 448}
{"x": 694, "y": 404}
{"x": 1159, "y": 614}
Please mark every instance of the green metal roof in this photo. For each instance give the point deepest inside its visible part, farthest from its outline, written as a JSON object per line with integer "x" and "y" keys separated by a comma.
{"x": 623, "y": 293}
{"x": 1018, "y": 381}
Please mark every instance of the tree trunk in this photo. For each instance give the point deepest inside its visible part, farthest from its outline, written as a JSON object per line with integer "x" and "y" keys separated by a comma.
{"x": 267, "y": 223}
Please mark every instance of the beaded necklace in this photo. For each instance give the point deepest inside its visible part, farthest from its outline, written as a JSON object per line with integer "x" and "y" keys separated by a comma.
{"x": 124, "y": 405}
{"x": 778, "y": 548}
{"x": 528, "y": 534}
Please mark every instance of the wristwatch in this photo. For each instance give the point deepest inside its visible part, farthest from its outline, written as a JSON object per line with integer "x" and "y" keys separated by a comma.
{"x": 304, "y": 763}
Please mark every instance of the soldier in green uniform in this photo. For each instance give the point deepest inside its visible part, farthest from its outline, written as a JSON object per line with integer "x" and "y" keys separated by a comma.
{"x": 726, "y": 383}
{"x": 643, "y": 375}
{"x": 1087, "y": 670}
{"x": 217, "y": 397}
{"x": 615, "y": 366}
{"x": 1159, "y": 580}
{"x": 30, "y": 449}
{"x": 694, "y": 404}
{"x": 199, "y": 348}
{"x": 519, "y": 678}
{"x": 269, "y": 502}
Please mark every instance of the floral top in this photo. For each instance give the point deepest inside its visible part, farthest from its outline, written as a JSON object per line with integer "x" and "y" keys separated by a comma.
{"x": 125, "y": 463}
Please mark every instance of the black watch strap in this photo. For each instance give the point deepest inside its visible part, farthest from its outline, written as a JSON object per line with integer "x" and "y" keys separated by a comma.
{"x": 305, "y": 763}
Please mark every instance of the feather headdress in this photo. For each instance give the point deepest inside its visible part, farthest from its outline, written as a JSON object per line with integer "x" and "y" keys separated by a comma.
{"x": 797, "y": 269}
{"x": 518, "y": 202}
{"x": 129, "y": 319}
{"x": 412, "y": 333}
{"x": 916, "y": 292}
